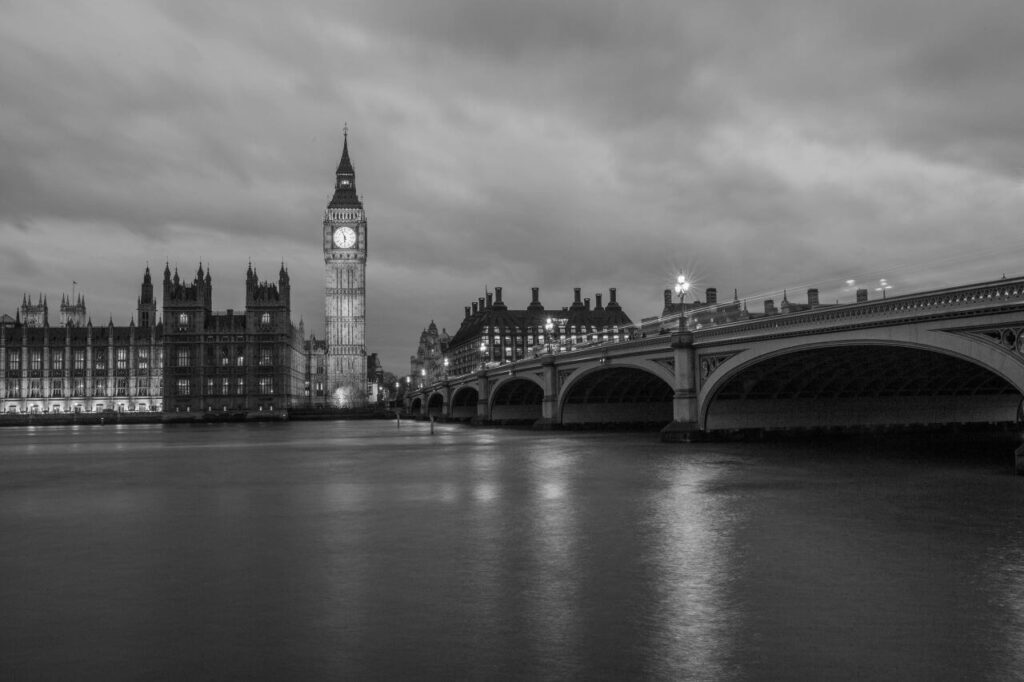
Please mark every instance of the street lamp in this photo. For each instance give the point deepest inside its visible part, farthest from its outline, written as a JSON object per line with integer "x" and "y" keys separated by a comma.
{"x": 682, "y": 286}
{"x": 549, "y": 328}
{"x": 446, "y": 367}
{"x": 483, "y": 354}
{"x": 423, "y": 377}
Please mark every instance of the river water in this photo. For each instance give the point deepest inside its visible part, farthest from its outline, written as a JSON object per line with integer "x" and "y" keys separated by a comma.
{"x": 358, "y": 550}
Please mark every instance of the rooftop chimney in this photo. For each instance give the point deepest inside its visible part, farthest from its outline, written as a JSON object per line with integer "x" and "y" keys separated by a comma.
{"x": 467, "y": 311}
{"x": 712, "y": 294}
{"x": 862, "y": 295}
{"x": 535, "y": 303}
{"x": 490, "y": 299}
{"x": 475, "y": 308}
{"x": 498, "y": 305}
{"x": 597, "y": 304}
{"x": 586, "y": 304}
{"x": 612, "y": 303}
{"x": 769, "y": 306}
{"x": 576, "y": 302}
{"x": 480, "y": 302}
{"x": 812, "y": 297}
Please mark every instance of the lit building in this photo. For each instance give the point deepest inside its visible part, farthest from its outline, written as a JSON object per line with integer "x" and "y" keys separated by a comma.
{"x": 344, "y": 244}
{"x": 490, "y": 332}
{"x": 427, "y": 365}
{"x": 78, "y": 367}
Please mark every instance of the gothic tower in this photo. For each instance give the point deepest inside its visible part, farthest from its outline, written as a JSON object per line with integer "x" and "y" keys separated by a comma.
{"x": 344, "y": 233}
{"x": 147, "y": 304}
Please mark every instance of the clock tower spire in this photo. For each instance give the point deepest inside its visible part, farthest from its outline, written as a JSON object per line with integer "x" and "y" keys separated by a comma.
{"x": 344, "y": 239}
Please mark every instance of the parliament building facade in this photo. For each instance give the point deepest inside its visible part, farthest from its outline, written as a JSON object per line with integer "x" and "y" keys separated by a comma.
{"x": 190, "y": 359}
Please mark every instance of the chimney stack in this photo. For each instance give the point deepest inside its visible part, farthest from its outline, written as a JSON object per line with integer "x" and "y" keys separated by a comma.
{"x": 597, "y": 305}
{"x": 467, "y": 311}
{"x": 712, "y": 294}
{"x": 535, "y": 303}
{"x": 612, "y": 303}
{"x": 490, "y": 299}
{"x": 475, "y": 309}
{"x": 480, "y": 301}
{"x": 769, "y": 306}
{"x": 668, "y": 298}
{"x": 862, "y": 295}
{"x": 812, "y": 297}
{"x": 586, "y": 304}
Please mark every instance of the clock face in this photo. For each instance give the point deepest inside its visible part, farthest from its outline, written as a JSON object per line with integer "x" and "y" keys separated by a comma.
{"x": 344, "y": 237}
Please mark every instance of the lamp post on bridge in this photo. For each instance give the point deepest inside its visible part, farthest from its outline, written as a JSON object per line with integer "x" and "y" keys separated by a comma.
{"x": 549, "y": 328}
{"x": 682, "y": 286}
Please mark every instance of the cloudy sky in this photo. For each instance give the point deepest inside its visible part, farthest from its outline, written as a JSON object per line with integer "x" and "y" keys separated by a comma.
{"x": 593, "y": 143}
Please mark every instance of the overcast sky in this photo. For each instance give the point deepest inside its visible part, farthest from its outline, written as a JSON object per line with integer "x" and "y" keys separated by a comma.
{"x": 590, "y": 143}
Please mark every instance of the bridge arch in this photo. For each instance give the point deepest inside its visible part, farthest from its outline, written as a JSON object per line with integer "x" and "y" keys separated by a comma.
{"x": 464, "y": 402}
{"x": 894, "y": 377}
{"x": 516, "y": 398}
{"x": 435, "y": 405}
{"x": 620, "y": 393}
{"x": 416, "y": 405}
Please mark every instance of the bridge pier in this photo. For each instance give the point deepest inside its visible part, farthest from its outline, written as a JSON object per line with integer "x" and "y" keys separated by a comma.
{"x": 684, "y": 427}
{"x": 483, "y": 392}
{"x": 549, "y": 404}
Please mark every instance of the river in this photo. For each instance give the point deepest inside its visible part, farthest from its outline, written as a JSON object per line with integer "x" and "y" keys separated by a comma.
{"x": 358, "y": 550}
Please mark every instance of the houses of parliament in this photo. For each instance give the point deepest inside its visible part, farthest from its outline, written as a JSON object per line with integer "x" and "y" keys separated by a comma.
{"x": 187, "y": 359}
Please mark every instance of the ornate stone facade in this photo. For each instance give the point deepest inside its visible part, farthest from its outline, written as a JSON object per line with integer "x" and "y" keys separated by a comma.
{"x": 344, "y": 242}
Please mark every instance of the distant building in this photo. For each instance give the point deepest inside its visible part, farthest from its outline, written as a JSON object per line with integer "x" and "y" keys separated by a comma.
{"x": 427, "y": 365}
{"x": 491, "y": 332}
{"x": 711, "y": 312}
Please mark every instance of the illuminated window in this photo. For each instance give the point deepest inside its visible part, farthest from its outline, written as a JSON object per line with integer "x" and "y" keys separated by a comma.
{"x": 99, "y": 359}
{"x": 121, "y": 386}
{"x": 183, "y": 319}
{"x": 143, "y": 358}
{"x": 240, "y": 386}
{"x": 184, "y": 357}
{"x": 35, "y": 360}
{"x": 183, "y": 387}
{"x": 265, "y": 318}
{"x": 142, "y": 386}
{"x": 225, "y": 386}
{"x": 57, "y": 360}
{"x": 57, "y": 388}
{"x": 121, "y": 355}
{"x": 266, "y": 357}
{"x": 78, "y": 388}
{"x": 14, "y": 360}
{"x": 266, "y": 385}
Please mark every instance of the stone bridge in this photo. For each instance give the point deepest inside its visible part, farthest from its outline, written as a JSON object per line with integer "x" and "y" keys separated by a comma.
{"x": 949, "y": 356}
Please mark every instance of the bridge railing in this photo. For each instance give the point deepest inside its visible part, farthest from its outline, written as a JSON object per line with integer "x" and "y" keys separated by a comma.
{"x": 971, "y": 297}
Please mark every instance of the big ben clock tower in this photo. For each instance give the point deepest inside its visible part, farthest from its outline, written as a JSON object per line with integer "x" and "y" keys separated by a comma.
{"x": 345, "y": 289}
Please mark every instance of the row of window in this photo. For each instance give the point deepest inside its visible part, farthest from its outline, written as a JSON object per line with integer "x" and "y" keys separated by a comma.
{"x": 225, "y": 386}
{"x": 77, "y": 359}
{"x": 264, "y": 357}
{"x": 58, "y": 388}
{"x": 185, "y": 319}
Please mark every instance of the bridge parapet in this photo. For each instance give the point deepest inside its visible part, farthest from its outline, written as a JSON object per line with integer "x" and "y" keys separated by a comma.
{"x": 971, "y": 299}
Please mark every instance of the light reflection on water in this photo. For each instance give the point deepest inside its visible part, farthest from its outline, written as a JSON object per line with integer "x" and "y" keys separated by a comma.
{"x": 321, "y": 550}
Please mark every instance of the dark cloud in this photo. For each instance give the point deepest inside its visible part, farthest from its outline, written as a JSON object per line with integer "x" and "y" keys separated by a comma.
{"x": 593, "y": 144}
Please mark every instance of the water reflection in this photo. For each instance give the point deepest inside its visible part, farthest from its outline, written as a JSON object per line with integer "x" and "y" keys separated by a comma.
{"x": 353, "y": 550}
